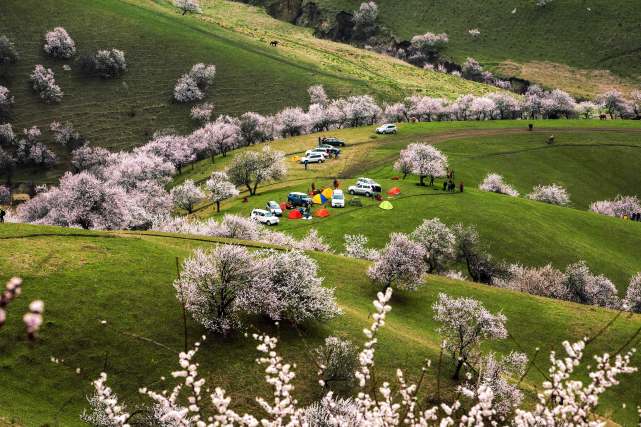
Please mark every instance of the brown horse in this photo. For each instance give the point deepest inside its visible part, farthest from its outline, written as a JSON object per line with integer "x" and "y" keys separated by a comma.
{"x": 274, "y": 43}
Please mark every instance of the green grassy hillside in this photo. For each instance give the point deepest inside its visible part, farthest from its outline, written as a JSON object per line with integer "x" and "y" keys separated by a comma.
{"x": 160, "y": 45}
{"x": 594, "y": 163}
{"x": 533, "y": 42}
{"x": 125, "y": 279}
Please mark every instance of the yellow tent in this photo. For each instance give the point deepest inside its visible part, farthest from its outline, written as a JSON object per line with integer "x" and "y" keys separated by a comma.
{"x": 386, "y": 205}
{"x": 328, "y": 193}
{"x": 319, "y": 199}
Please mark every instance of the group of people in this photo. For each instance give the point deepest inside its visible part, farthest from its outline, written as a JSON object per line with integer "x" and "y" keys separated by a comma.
{"x": 449, "y": 185}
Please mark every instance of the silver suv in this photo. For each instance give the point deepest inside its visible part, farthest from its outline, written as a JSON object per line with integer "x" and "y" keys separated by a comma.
{"x": 364, "y": 189}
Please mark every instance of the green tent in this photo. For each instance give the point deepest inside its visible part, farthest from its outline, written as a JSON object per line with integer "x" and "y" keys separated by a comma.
{"x": 386, "y": 205}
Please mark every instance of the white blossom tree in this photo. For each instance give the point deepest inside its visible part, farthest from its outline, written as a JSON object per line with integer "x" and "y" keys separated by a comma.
{"x": 553, "y": 194}
{"x": 619, "y": 207}
{"x": 632, "y": 300}
{"x": 187, "y": 195}
{"x": 613, "y": 102}
{"x": 6, "y": 100}
{"x": 292, "y": 121}
{"x": 438, "y": 243}
{"x": 317, "y": 95}
{"x": 59, "y": 44}
{"x": 364, "y": 20}
{"x": 44, "y": 83}
{"x": 465, "y": 323}
{"x": 220, "y": 188}
{"x": 185, "y": 6}
{"x": 202, "y": 112}
{"x": 356, "y": 247}
{"x": 494, "y": 183}
{"x": 212, "y": 284}
{"x": 286, "y": 286}
{"x": 425, "y": 160}
{"x": 399, "y": 264}
{"x": 252, "y": 168}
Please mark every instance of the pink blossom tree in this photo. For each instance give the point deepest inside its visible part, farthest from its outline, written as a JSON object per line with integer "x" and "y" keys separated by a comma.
{"x": 254, "y": 128}
{"x": 399, "y": 265}
{"x": 44, "y": 83}
{"x": 59, "y": 44}
{"x": 185, "y": 6}
{"x": 494, "y": 183}
{"x": 286, "y": 286}
{"x": 292, "y": 121}
{"x": 613, "y": 102}
{"x": 553, "y": 194}
{"x": 212, "y": 283}
{"x": 632, "y": 300}
{"x": 220, "y": 188}
{"x": 317, "y": 95}
{"x": 619, "y": 207}
{"x": 202, "y": 112}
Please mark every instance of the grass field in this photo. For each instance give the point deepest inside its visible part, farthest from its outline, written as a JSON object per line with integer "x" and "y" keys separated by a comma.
{"x": 160, "y": 45}
{"x": 594, "y": 163}
{"x": 535, "y": 43}
{"x": 125, "y": 279}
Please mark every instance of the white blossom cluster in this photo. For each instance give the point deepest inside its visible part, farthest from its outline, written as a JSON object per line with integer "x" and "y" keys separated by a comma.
{"x": 186, "y": 195}
{"x": 105, "y": 63}
{"x": 220, "y": 188}
{"x": 220, "y": 286}
{"x": 6, "y": 134}
{"x": 494, "y": 183}
{"x": 619, "y": 207}
{"x": 632, "y": 301}
{"x": 185, "y": 6}
{"x": 474, "y": 32}
{"x": 193, "y": 85}
{"x": 553, "y": 194}
{"x": 59, "y": 44}
{"x": 356, "y": 247}
{"x": 32, "y": 319}
{"x": 44, "y": 83}
{"x": 30, "y": 152}
{"x": 5, "y": 195}
{"x": 336, "y": 360}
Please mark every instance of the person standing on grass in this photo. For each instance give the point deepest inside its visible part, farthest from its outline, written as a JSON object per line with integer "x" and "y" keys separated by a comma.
{"x": 444, "y": 185}
{"x": 2, "y": 214}
{"x": 461, "y": 186}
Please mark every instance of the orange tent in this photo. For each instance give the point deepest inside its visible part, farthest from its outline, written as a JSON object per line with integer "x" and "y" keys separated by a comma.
{"x": 295, "y": 214}
{"x": 321, "y": 213}
{"x": 394, "y": 191}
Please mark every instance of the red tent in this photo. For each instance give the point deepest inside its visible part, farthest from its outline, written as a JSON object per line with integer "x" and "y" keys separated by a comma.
{"x": 321, "y": 213}
{"x": 295, "y": 214}
{"x": 394, "y": 191}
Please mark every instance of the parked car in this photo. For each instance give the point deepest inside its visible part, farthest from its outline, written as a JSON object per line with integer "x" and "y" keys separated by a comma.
{"x": 367, "y": 181}
{"x": 334, "y": 142}
{"x": 320, "y": 150}
{"x": 330, "y": 149}
{"x": 264, "y": 217}
{"x": 364, "y": 189}
{"x": 313, "y": 158}
{"x": 274, "y": 208}
{"x": 298, "y": 199}
{"x": 386, "y": 129}
{"x": 338, "y": 199}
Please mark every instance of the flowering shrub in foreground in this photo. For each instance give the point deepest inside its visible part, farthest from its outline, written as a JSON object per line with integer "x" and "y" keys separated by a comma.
{"x": 563, "y": 401}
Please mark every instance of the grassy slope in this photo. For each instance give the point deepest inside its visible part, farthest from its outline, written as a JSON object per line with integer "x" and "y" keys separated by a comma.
{"x": 85, "y": 277}
{"x": 161, "y": 45}
{"x": 564, "y": 32}
{"x": 518, "y": 230}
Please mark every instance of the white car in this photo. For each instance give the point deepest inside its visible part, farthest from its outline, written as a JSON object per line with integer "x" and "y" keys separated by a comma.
{"x": 364, "y": 189}
{"x": 313, "y": 158}
{"x": 322, "y": 151}
{"x": 274, "y": 208}
{"x": 386, "y": 129}
{"x": 367, "y": 181}
{"x": 338, "y": 199}
{"x": 264, "y": 217}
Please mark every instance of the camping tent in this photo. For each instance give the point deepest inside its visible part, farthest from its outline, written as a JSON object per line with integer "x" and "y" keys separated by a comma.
{"x": 394, "y": 191}
{"x": 386, "y": 205}
{"x": 328, "y": 193}
{"x": 319, "y": 199}
{"x": 321, "y": 213}
{"x": 295, "y": 214}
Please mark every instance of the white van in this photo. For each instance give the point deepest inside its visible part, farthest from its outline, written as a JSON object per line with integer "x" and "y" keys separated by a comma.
{"x": 338, "y": 199}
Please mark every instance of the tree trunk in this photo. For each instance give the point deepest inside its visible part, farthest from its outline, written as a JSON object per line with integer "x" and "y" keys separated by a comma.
{"x": 212, "y": 158}
{"x": 422, "y": 182}
{"x": 457, "y": 372}
{"x": 218, "y": 206}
